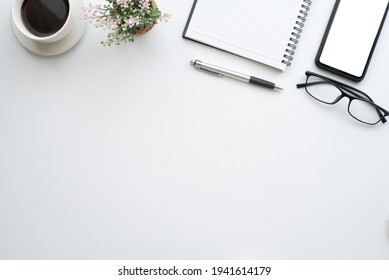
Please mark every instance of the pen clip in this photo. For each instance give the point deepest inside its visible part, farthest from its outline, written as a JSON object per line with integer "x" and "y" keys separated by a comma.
{"x": 214, "y": 73}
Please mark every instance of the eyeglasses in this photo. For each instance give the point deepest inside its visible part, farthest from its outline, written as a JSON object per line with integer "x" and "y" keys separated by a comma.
{"x": 361, "y": 107}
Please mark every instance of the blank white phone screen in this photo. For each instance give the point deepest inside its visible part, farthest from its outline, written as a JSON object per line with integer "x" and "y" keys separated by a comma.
{"x": 352, "y": 35}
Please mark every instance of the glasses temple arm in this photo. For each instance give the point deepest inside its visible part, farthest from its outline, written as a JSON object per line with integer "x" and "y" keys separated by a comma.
{"x": 351, "y": 90}
{"x": 310, "y": 84}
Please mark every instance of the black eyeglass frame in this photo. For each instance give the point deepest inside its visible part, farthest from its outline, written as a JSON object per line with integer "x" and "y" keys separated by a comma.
{"x": 346, "y": 91}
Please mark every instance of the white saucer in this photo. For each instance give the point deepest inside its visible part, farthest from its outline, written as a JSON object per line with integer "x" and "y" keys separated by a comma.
{"x": 55, "y": 48}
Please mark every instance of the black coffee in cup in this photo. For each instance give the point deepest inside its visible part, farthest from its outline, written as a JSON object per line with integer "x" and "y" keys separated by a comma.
{"x": 44, "y": 17}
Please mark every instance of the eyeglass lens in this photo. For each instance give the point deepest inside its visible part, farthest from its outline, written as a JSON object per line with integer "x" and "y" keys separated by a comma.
{"x": 363, "y": 111}
{"x": 322, "y": 90}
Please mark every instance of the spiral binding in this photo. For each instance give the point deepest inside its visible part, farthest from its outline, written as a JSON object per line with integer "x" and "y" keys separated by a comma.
{"x": 295, "y": 36}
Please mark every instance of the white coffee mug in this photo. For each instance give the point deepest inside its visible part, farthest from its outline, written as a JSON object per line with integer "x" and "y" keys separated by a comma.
{"x": 63, "y": 37}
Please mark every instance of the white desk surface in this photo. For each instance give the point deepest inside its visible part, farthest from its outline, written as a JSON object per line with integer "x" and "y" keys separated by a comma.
{"x": 129, "y": 153}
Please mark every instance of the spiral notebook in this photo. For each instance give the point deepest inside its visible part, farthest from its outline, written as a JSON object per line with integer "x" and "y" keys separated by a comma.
{"x": 266, "y": 31}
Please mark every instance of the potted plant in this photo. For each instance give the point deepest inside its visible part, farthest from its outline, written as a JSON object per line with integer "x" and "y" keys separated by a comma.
{"x": 124, "y": 19}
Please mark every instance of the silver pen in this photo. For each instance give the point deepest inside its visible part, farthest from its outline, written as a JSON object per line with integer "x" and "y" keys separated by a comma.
{"x": 219, "y": 71}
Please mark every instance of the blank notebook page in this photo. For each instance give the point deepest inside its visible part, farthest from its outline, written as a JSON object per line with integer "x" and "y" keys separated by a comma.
{"x": 259, "y": 30}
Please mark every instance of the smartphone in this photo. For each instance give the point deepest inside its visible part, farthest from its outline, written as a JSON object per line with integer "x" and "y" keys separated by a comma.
{"x": 351, "y": 36}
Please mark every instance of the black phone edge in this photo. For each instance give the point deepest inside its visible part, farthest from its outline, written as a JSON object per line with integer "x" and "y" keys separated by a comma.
{"x": 327, "y": 31}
